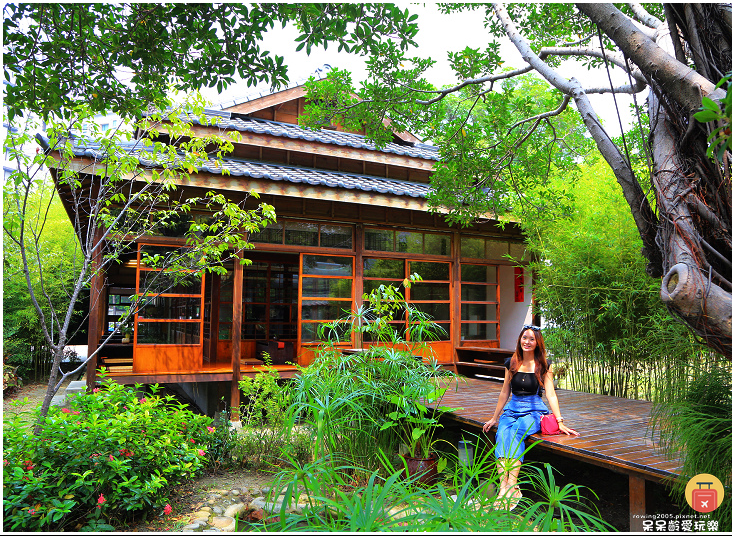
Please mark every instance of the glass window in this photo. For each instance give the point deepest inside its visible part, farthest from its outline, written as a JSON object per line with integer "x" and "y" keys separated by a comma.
{"x": 303, "y": 234}
{"x": 429, "y": 291}
{"x": 496, "y": 249}
{"x": 336, "y": 236}
{"x": 430, "y": 270}
{"x": 180, "y": 283}
{"x": 409, "y": 242}
{"x": 325, "y": 310}
{"x": 478, "y": 331}
{"x": 379, "y": 240}
{"x": 437, "y": 244}
{"x": 476, "y": 292}
{"x": 337, "y": 333}
{"x": 326, "y": 287}
{"x": 327, "y": 265}
{"x": 168, "y": 332}
{"x": 171, "y": 308}
{"x": 479, "y": 312}
{"x": 436, "y": 311}
{"x": 472, "y": 247}
{"x": 518, "y": 251}
{"x": 383, "y": 268}
{"x": 271, "y": 234}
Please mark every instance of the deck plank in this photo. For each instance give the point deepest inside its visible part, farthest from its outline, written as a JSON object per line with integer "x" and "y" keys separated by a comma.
{"x": 613, "y": 431}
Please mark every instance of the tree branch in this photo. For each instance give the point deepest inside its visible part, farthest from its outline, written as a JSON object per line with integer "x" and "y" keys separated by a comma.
{"x": 643, "y": 16}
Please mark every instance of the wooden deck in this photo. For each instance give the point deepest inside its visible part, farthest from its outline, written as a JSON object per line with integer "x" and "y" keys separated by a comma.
{"x": 614, "y": 434}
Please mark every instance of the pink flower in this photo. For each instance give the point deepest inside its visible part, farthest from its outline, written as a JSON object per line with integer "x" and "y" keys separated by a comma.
{"x": 193, "y": 441}
{"x": 101, "y": 500}
{"x": 211, "y": 429}
{"x": 143, "y": 400}
{"x": 201, "y": 452}
{"x": 66, "y": 410}
{"x": 111, "y": 458}
{"x": 167, "y": 510}
{"x": 32, "y": 511}
{"x": 75, "y": 412}
{"x": 96, "y": 389}
{"x": 124, "y": 407}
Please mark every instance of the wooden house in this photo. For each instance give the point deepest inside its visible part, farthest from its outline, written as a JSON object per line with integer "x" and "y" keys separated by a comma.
{"x": 349, "y": 218}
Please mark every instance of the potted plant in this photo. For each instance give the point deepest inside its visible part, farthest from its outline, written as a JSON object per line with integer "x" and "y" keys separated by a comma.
{"x": 415, "y": 420}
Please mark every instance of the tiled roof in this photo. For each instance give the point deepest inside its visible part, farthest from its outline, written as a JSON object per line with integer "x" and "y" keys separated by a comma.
{"x": 326, "y": 136}
{"x": 319, "y": 74}
{"x": 274, "y": 172}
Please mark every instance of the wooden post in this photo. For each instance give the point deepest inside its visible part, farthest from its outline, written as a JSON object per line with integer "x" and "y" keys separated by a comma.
{"x": 236, "y": 339}
{"x": 637, "y": 487}
{"x": 455, "y": 297}
{"x": 97, "y": 308}
{"x": 358, "y": 279}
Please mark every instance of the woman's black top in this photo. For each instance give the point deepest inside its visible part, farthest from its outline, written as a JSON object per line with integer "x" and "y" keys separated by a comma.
{"x": 525, "y": 383}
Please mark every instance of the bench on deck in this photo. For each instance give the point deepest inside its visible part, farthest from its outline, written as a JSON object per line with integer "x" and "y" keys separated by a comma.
{"x": 613, "y": 434}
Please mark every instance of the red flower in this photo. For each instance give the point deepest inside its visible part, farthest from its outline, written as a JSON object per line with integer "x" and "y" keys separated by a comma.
{"x": 201, "y": 452}
{"x": 75, "y": 412}
{"x": 111, "y": 458}
{"x": 96, "y": 389}
{"x": 66, "y": 410}
{"x": 101, "y": 500}
{"x": 193, "y": 441}
{"x": 143, "y": 400}
{"x": 167, "y": 510}
{"x": 211, "y": 429}
{"x": 32, "y": 511}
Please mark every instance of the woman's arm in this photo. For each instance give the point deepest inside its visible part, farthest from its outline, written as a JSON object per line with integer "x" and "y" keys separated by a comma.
{"x": 551, "y": 397}
{"x": 502, "y": 399}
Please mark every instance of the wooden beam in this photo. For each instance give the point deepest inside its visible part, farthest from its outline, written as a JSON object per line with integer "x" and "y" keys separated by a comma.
{"x": 637, "y": 489}
{"x": 254, "y": 105}
{"x": 236, "y": 339}
{"x": 97, "y": 308}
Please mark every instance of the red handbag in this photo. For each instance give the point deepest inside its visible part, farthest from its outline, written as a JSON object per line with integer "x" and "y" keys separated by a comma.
{"x": 549, "y": 425}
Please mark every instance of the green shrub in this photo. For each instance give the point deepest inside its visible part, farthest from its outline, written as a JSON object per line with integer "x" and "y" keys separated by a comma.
{"x": 265, "y": 438}
{"x": 107, "y": 456}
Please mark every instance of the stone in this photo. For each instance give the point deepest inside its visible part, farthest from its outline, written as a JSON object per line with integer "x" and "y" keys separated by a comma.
{"x": 205, "y": 509}
{"x": 225, "y": 523}
{"x": 235, "y": 509}
{"x": 218, "y": 510}
{"x": 201, "y": 514}
{"x": 266, "y": 490}
{"x": 201, "y": 521}
{"x": 235, "y": 492}
{"x": 191, "y": 527}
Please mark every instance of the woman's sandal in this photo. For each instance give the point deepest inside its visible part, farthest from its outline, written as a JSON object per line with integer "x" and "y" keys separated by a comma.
{"x": 508, "y": 502}
{"x": 515, "y": 498}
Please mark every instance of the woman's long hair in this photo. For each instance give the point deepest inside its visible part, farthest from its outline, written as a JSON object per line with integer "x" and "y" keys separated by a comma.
{"x": 539, "y": 356}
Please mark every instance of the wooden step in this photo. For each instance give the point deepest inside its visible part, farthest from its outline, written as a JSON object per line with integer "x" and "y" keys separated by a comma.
{"x": 119, "y": 369}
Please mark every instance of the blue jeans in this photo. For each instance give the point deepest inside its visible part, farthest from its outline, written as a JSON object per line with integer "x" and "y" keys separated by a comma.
{"x": 521, "y": 417}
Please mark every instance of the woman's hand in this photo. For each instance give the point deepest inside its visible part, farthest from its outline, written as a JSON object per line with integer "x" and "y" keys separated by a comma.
{"x": 564, "y": 429}
{"x": 488, "y": 425}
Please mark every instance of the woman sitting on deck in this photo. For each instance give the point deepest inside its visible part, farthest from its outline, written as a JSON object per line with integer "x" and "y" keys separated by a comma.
{"x": 527, "y": 372}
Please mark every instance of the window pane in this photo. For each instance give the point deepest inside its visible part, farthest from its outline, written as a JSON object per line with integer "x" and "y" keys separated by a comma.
{"x": 226, "y": 291}
{"x": 428, "y": 291}
{"x": 271, "y": 234}
{"x": 301, "y": 233}
{"x": 496, "y": 249}
{"x": 226, "y": 312}
{"x": 437, "y": 311}
{"x": 336, "y": 236}
{"x": 167, "y": 255}
{"x": 430, "y": 270}
{"x": 379, "y": 240}
{"x": 478, "y": 331}
{"x": 168, "y": 332}
{"x": 225, "y": 331}
{"x": 326, "y": 287}
{"x": 256, "y": 313}
{"x": 379, "y": 268}
{"x": 479, "y": 312}
{"x": 476, "y": 292}
{"x": 327, "y": 265}
{"x": 283, "y": 331}
{"x": 472, "y": 247}
{"x": 371, "y": 285}
{"x": 435, "y": 333}
{"x": 253, "y": 331}
{"x": 154, "y": 282}
{"x": 339, "y": 333}
{"x": 398, "y": 313}
{"x": 326, "y": 310}
{"x": 437, "y": 244}
{"x": 409, "y": 242}
{"x": 475, "y": 273}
